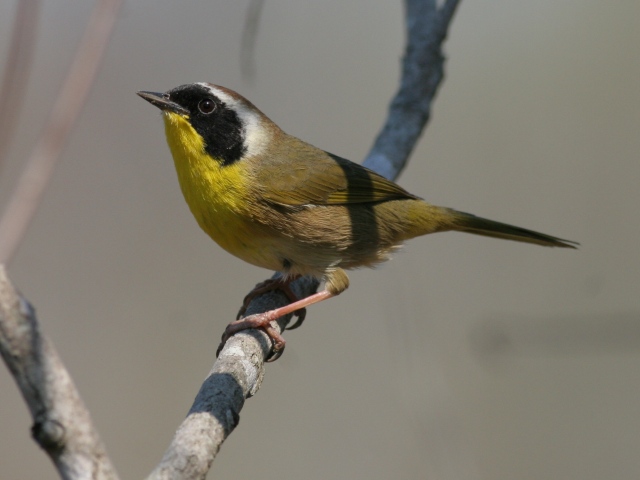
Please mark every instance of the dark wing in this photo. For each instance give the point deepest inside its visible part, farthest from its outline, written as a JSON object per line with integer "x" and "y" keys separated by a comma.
{"x": 320, "y": 178}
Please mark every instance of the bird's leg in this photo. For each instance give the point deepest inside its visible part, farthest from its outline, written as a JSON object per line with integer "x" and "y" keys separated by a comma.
{"x": 336, "y": 281}
{"x": 263, "y": 321}
{"x": 280, "y": 283}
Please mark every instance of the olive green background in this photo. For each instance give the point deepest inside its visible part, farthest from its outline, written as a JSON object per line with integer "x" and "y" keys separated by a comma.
{"x": 463, "y": 357}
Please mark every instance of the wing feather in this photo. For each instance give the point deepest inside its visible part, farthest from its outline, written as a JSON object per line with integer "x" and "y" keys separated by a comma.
{"x": 320, "y": 178}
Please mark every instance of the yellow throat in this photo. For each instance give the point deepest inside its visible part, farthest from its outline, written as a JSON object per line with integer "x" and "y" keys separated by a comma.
{"x": 215, "y": 192}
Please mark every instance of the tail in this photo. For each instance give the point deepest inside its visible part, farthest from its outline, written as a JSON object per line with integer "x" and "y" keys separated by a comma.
{"x": 465, "y": 222}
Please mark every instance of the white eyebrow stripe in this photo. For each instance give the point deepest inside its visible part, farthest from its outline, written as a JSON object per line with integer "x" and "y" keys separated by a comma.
{"x": 224, "y": 96}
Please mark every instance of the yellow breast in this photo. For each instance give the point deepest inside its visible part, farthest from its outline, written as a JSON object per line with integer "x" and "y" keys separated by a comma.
{"x": 218, "y": 195}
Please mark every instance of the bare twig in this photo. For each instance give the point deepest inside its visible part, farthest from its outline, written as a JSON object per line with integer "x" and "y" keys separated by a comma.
{"x": 239, "y": 369}
{"x": 249, "y": 35}
{"x": 422, "y": 73}
{"x": 235, "y": 376}
{"x": 16, "y": 71}
{"x": 31, "y": 185}
{"x": 61, "y": 423}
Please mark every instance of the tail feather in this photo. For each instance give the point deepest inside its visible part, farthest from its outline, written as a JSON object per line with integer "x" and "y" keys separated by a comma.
{"x": 465, "y": 222}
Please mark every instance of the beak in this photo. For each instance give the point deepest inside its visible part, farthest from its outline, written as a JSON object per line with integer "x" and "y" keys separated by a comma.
{"x": 161, "y": 101}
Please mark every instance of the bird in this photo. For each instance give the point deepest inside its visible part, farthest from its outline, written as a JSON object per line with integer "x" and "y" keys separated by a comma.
{"x": 280, "y": 203}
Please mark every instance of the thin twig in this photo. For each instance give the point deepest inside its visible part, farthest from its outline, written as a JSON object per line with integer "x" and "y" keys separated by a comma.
{"x": 37, "y": 173}
{"x": 422, "y": 74}
{"x": 249, "y": 36}
{"x": 16, "y": 71}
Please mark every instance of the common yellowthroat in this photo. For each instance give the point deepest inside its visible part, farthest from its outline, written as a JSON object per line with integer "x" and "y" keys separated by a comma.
{"x": 279, "y": 203}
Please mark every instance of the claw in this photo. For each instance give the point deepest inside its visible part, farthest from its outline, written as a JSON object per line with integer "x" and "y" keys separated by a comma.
{"x": 261, "y": 321}
{"x": 301, "y": 314}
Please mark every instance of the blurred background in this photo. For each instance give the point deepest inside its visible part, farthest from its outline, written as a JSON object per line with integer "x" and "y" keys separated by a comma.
{"x": 463, "y": 357}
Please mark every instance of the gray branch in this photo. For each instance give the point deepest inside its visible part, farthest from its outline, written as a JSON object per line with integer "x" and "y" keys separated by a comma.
{"x": 62, "y": 425}
{"x": 422, "y": 73}
{"x": 236, "y": 375}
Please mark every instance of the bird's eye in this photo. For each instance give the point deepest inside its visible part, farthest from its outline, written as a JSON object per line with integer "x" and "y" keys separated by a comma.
{"x": 206, "y": 106}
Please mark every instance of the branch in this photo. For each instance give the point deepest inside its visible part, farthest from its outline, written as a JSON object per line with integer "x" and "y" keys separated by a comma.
{"x": 239, "y": 370}
{"x": 61, "y": 423}
{"x": 422, "y": 74}
{"x": 236, "y": 375}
